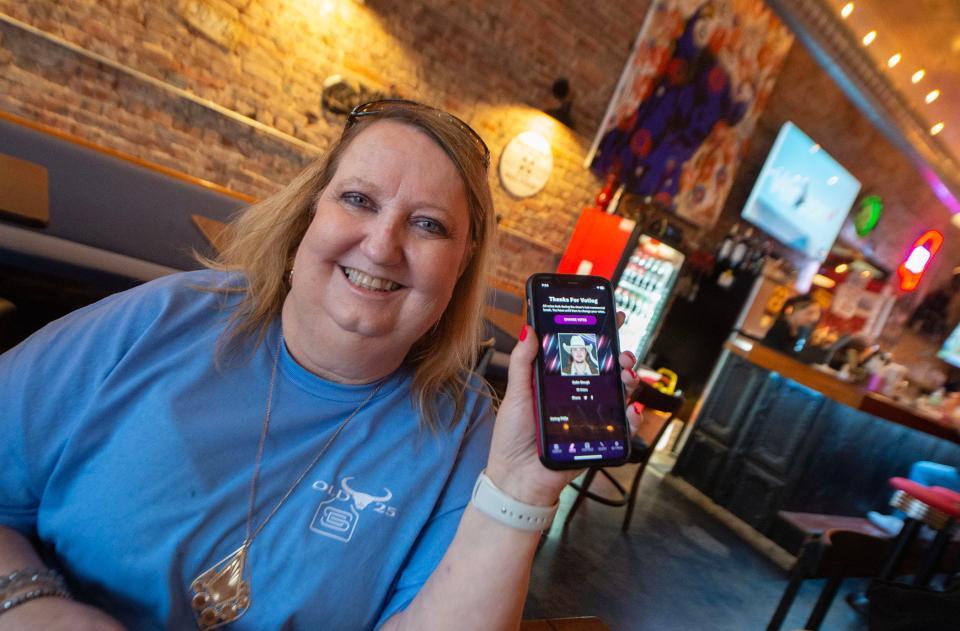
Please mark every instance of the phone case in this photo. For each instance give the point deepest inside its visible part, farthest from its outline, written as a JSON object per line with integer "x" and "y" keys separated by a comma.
{"x": 543, "y": 454}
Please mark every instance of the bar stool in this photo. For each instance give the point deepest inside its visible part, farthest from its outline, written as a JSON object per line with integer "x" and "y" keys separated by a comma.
{"x": 664, "y": 407}
{"x": 843, "y": 553}
{"x": 935, "y": 506}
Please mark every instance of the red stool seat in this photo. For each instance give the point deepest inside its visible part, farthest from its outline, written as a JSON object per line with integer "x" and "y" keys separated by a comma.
{"x": 951, "y": 497}
{"x": 931, "y": 505}
{"x": 938, "y": 508}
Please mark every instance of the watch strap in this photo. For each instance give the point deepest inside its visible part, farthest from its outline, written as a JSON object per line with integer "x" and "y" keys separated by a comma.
{"x": 493, "y": 502}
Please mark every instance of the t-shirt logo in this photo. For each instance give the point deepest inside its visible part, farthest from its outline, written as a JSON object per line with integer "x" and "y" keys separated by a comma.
{"x": 337, "y": 515}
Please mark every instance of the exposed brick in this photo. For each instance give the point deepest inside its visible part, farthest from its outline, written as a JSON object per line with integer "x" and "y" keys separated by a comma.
{"x": 491, "y": 62}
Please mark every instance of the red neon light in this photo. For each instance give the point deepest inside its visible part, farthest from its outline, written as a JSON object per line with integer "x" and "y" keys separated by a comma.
{"x": 917, "y": 262}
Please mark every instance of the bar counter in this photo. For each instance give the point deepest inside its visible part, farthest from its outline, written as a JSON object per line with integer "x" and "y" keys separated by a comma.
{"x": 776, "y": 434}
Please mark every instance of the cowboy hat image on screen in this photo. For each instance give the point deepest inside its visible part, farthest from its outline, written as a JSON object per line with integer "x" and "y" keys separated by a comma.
{"x": 580, "y": 355}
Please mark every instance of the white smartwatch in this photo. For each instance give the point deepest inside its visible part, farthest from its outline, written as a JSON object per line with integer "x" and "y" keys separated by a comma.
{"x": 494, "y": 503}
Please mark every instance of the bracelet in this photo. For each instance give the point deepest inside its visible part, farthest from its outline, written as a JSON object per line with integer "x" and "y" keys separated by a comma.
{"x": 493, "y": 502}
{"x": 37, "y": 583}
{"x": 40, "y": 592}
{"x": 26, "y": 577}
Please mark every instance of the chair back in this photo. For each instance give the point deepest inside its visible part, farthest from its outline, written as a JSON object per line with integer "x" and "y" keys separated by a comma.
{"x": 654, "y": 424}
{"x": 503, "y": 315}
{"x": 659, "y": 409}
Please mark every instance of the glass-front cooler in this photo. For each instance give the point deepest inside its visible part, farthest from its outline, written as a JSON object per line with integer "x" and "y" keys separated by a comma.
{"x": 644, "y": 286}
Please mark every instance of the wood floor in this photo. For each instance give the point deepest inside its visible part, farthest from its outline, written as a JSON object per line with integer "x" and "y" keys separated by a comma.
{"x": 676, "y": 569}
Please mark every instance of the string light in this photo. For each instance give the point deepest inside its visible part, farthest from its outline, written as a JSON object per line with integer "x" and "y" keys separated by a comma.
{"x": 936, "y": 129}
{"x": 894, "y": 60}
{"x": 869, "y": 37}
{"x": 846, "y": 10}
{"x": 932, "y": 96}
{"x": 918, "y": 75}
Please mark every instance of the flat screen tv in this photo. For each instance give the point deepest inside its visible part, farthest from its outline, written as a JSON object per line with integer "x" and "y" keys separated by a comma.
{"x": 802, "y": 195}
{"x": 950, "y": 351}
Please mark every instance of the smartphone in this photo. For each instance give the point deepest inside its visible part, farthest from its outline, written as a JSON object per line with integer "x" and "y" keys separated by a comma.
{"x": 578, "y": 393}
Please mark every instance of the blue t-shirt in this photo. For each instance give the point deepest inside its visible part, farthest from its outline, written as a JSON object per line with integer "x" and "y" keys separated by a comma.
{"x": 128, "y": 452}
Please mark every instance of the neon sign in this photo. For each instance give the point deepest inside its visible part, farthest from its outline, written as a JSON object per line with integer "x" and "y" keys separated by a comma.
{"x": 865, "y": 220}
{"x": 917, "y": 262}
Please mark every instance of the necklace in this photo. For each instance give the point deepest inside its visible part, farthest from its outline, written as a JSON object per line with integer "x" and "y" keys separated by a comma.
{"x": 221, "y": 594}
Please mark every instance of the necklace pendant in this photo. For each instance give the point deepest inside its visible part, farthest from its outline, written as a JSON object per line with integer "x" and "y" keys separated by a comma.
{"x": 221, "y": 595}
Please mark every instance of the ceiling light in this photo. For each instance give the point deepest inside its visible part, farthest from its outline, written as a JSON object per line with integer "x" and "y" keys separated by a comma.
{"x": 932, "y": 96}
{"x": 894, "y": 60}
{"x": 936, "y": 129}
{"x": 846, "y": 10}
{"x": 869, "y": 37}
{"x": 918, "y": 75}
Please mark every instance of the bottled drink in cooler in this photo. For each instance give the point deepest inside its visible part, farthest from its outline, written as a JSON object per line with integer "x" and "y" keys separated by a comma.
{"x": 643, "y": 289}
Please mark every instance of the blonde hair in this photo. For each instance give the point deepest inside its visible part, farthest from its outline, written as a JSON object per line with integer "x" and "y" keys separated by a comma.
{"x": 262, "y": 241}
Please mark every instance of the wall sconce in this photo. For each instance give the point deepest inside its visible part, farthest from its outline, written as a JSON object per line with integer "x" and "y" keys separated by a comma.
{"x": 563, "y": 112}
{"x": 340, "y": 96}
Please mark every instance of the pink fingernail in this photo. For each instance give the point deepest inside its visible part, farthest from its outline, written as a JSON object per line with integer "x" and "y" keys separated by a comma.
{"x": 523, "y": 333}
{"x": 638, "y": 407}
{"x": 633, "y": 358}
{"x": 632, "y": 374}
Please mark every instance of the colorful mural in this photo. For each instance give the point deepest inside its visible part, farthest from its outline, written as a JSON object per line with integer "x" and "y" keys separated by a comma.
{"x": 693, "y": 87}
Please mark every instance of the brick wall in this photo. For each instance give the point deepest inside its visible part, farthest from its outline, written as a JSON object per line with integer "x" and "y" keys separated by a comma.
{"x": 492, "y": 63}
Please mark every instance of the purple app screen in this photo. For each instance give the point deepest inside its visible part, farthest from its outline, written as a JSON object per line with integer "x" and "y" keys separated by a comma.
{"x": 581, "y": 394}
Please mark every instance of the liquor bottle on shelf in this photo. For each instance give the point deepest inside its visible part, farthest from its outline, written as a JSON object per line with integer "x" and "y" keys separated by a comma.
{"x": 759, "y": 257}
{"x": 741, "y": 250}
{"x": 727, "y": 245}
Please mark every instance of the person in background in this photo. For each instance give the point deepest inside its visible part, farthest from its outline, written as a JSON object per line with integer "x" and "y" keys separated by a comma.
{"x": 292, "y": 438}
{"x": 793, "y": 325}
{"x": 939, "y": 311}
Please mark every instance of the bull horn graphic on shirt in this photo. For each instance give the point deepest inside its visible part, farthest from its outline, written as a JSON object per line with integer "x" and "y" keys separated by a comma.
{"x": 337, "y": 516}
{"x": 363, "y": 499}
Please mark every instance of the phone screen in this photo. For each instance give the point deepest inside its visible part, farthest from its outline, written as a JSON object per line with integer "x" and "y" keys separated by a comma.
{"x": 580, "y": 393}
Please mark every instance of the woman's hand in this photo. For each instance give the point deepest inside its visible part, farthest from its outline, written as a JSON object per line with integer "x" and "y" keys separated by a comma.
{"x": 51, "y": 613}
{"x": 513, "y": 464}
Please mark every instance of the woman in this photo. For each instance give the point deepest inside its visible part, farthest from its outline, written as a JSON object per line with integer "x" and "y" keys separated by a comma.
{"x": 792, "y": 327}
{"x": 289, "y": 439}
{"x": 581, "y": 358}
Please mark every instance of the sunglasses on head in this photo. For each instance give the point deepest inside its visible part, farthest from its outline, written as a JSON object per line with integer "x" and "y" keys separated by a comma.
{"x": 373, "y": 108}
